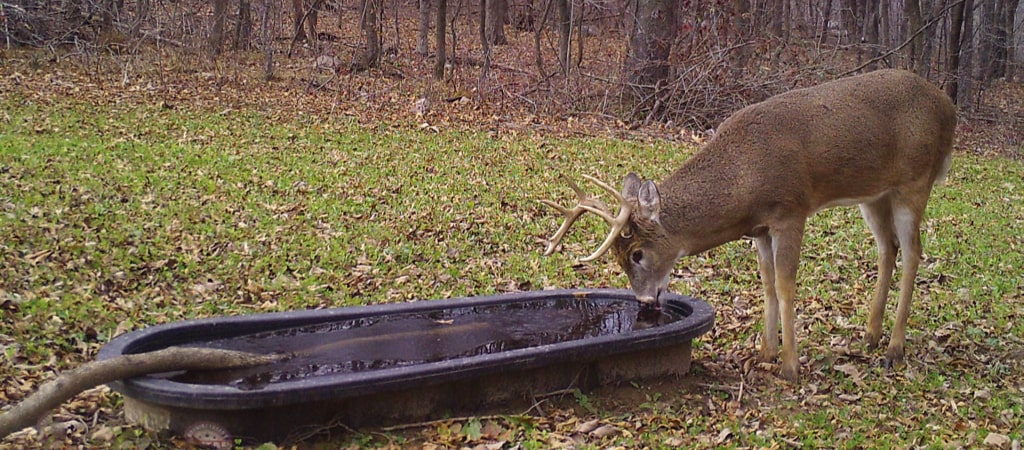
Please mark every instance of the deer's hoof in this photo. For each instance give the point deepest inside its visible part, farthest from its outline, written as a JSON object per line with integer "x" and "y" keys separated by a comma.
{"x": 790, "y": 373}
{"x": 893, "y": 357}
{"x": 872, "y": 339}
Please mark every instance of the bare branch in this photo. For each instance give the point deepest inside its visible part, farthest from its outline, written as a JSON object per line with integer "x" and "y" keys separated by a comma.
{"x": 95, "y": 373}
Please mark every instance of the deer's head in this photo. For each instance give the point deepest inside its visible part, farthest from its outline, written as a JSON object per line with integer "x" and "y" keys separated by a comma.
{"x": 637, "y": 238}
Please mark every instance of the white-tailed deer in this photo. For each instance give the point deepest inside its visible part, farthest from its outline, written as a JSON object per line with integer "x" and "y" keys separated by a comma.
{"x": 880, "y": 140}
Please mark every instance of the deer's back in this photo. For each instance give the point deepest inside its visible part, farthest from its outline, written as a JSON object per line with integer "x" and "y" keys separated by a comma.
{"x": 849, "y": 139}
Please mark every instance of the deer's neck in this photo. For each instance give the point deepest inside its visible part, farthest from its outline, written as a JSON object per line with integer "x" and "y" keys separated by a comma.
{"x": 706, "y": 204}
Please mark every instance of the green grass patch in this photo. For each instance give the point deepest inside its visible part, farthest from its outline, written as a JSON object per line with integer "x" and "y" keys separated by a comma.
{"x": 119, "y": 217}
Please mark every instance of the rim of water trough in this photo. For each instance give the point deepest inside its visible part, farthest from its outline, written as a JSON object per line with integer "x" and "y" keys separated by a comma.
{"x": 698, "y": 319}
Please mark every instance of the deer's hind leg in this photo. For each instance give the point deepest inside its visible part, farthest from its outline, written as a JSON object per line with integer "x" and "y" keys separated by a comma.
{"x": 879, "y": 216}
{"x": 766, "y": 265}
{"x": 786, "y": 241}
{"x": 907, "y": 215}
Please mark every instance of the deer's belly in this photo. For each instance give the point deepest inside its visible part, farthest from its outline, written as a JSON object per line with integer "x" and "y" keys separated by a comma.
{"x": 848, "y": 201}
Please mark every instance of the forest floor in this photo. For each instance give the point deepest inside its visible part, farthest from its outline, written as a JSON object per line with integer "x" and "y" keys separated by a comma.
{"x": 523, "y": 90}
{"x": 744, "y": 399}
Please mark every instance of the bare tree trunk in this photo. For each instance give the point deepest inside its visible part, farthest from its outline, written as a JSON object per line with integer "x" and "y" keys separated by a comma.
{"x": 955, "y": 48}
{"x": 912, "y": 9}
{"x": 497, "y": 16}
{"x": 651, "y": 41}
{"x": 141, "y": 14}
{"x": 311, "y": 19}
{"x": 484, "y": 44}
{"x": 538, "y": 54}
{"x": 787, "y": 19}
{"x": 111, "y": 8}
{"x": 998, "y": 45}
{"x": 936, "y": 37}
{"x": 647, "y": 62}
{"x": 850, "y": 20}
{"x": 869, "y": 42}
{"x": 564, "y": 34}
{"x": 967, "y": 56}
{"x": 1004, "y": 40}
{"x": 300, "y": 11}
{"x": 452, "y": 28}
{"x": 741, "y": 21}
{"x": 775, "y": 14}
{"x": 1015, "y": 25}
{"x": 307, "y": 17}
{"x": 439, "y": 38}
{"x": 369, "y": 24}
{"x": 268, "y": 44}
{"x": 984, "y": 19}
{"x": 825, "y": 17}
{"x": 217, "y": 30}
{"x": 243, "y": 30}
{"x": 884, "y": 25}
{"x": 423, "y": 38}
{"x": 578, "y": 16}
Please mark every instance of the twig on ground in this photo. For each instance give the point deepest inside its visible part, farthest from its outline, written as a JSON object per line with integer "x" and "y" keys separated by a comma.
{"x": 52, "y": 394}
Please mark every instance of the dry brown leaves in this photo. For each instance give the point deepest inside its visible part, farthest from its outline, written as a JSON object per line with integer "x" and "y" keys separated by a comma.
{"x": 744, "y": 388}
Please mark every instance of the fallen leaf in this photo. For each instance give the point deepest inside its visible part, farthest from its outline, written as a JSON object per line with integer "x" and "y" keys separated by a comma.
{"x": 605, "y": 431}
{"x": 102, "y": 434}
{"x": 997, "y": 440}
{"x": 673, "y": 442}
{"x": 851, "y": 370}
{"x": 723, "y": 436}
{"x": 588, "y": 426}
{"x": 491, "y": 430}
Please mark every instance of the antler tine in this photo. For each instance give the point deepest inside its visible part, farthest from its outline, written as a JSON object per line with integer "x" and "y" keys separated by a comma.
{"x": 618, "y": 224}
{"x": 570, "y": 217}
{"x": 575, "y": 187}
{"x": 586, "y": 203}
{"x": 607, "y": 188}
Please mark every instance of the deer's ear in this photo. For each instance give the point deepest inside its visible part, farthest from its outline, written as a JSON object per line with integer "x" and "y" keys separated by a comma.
{"x": 630, "y": 187}
{"x": 649, "y": 201}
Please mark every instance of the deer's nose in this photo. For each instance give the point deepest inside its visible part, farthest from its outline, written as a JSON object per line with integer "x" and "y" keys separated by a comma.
{"x": 647, "y": 299}
{"x": 650, "y": 298}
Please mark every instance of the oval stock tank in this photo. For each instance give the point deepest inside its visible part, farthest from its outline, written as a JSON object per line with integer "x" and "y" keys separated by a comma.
{"x": 385, "y": 364}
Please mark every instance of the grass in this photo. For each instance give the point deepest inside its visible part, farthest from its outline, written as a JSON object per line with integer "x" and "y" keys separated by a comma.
{"x": 121, "y": 216}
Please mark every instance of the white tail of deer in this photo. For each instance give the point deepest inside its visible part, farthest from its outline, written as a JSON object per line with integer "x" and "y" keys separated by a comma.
{"x": 879, "y": 140}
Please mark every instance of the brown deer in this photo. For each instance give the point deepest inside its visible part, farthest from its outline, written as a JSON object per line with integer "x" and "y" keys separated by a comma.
{"x": 880, "y": 140}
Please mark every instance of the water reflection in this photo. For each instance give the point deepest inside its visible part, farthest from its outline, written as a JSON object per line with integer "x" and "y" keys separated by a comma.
{"x": 400, "y": 340}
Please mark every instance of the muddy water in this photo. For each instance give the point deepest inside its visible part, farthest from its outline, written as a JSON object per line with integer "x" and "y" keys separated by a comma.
{"x": 399, "y": 340}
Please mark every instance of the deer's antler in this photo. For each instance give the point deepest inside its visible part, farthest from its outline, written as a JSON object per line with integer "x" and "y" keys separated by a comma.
{"x": 588, "y": 203}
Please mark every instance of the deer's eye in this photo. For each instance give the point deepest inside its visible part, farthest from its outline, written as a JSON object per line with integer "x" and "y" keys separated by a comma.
{"x": 637, "y": 256}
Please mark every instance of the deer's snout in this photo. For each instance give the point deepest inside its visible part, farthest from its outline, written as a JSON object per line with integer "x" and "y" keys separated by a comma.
{"x": 646, "y": 299}
{"x": 649, "y": 299}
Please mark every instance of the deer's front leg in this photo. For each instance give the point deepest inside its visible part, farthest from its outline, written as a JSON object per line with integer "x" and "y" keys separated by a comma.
{"x": 878, "y": 215}
{"x": 786, "y": 245}
{"x": 766, "y": 264}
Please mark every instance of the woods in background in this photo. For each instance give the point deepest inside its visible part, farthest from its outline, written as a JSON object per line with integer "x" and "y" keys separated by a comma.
{"x": 681, "y": 60}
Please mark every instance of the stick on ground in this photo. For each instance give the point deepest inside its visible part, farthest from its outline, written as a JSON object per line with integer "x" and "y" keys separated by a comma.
{"x": 67, "y": 385}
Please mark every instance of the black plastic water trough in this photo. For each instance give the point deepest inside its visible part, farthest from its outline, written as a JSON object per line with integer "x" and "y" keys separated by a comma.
{"x": 394, "y": 363}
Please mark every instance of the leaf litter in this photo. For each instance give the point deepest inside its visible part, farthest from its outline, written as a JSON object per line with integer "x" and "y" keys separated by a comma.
{"x": 88, "y": 255}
